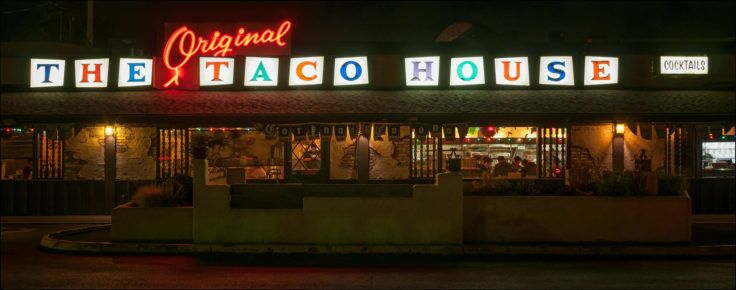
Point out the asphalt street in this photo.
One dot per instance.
(24, 265)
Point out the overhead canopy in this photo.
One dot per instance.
(377, 103)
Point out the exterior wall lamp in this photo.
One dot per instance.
(109, 131)
(619, 128)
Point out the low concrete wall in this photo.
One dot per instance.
(155, 224)
(432, 215)
(577, 219)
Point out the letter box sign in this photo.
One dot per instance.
(47, 73)
(600, 70)
(187, 41)
(422, 71)
(683, 65)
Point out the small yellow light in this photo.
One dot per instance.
(109, 131)
(619, 128)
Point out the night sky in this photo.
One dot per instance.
(325, 24)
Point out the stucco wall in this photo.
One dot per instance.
(135, 153)
(591, 150)
(577, 219)
(390, 159)
(634, 143)
(343, 163)
(84, 154)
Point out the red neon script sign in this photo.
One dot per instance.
(183, 44)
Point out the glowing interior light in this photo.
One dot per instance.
(109, 130)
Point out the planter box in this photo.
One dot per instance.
(155, 224)
(577, 219)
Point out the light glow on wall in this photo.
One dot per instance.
(47, 73)
(91, 73)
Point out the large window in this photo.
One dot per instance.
(16, 153)
(719, 158)
(237, 155)
(494, 152)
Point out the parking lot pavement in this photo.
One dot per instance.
(24, 265)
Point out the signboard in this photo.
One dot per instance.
(513, 71)
(216, 71)
(135, 72)
(47, 73)
(261, 71)
(467, 71)
(422, 71)
(187, 41)
(683, 65)
(306, 70)
(556, 70)
(91, 73)
(351, 71)
(600, 70)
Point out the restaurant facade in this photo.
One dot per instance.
(81, 133)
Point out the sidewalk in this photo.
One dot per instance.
(709, 239)
(57, 219)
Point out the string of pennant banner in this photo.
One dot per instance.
(353, 130)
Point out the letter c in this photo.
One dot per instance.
(300, 68)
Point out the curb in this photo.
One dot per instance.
(56, 242)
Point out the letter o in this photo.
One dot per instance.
(473, 69)
(344, 70)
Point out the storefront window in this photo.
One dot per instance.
(495, 152)
(306, 156)
(16, 150)
(719, 158)
(239, 154)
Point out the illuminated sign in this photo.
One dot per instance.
(422, 71)
(135, 72)
(261, 71)
(216, 71)
(47, 73)
(351, 71)
(91, 73)
(186, 42)
(512, 71)
(600, 70)
(556, 70)
(683, 65)
(467, 71)
(306, 70)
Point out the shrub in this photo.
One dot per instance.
(494, 187)
(672, 184)
(616, 184)
(152, 196)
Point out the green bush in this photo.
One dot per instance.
(616, 184)
(672, 184)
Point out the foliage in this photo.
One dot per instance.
(672, 184)
(152, 196)
(616, 184)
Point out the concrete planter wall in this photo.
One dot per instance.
(577, 219)
(432, 215)
(155, 224)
